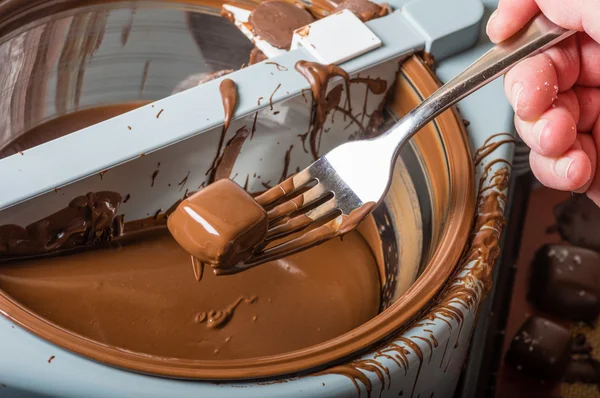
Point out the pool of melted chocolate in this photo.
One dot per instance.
(143, 294)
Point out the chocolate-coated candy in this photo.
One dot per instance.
(540, 349)
(565, 281)
(578, 222)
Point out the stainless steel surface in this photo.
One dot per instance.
(104, 54)
(358, 173)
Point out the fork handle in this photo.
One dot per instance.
(539, 34)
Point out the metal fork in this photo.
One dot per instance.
(355, 176)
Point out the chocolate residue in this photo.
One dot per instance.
(489, 146)
(275, 22)
(154, 175)
(198, 268)
(145, 77)
(471, 281)
(363, 9)
(227, 15)
(218, 318)
(272, 94)
(254, 125)
(126, 31)
(86, 221)
(230, 154)
(51, 358)
(256, 56)
(183, 182)
(229, 98)
(228, 91)
(319, 76)
(159, 113)
(286, 164)
(279, 67)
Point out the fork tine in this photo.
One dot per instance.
(297, 203)
(301, 221)
(311, 238)
(285, 187)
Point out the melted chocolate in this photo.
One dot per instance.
(86, 221)
(318, 76)
(256, 56)
(142, 297)
(220, 224)
(364, 9)
(275, 21)
(228, 91)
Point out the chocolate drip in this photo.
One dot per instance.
(228, 91)
(465, 289)
(154, 175)
(198, 268)
(230, 154)
(490, 146)
(364, 10)
(86, 221)
(256, 56)
(275, 21)
(319, 76)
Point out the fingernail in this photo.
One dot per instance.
(494, 15)
(537, 130)
(515, 94)
(562, 166)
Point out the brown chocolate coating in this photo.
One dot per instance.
(275, 21)
(565, 281)
(86, 221)
(363, 9)
(578, 222)
(318, 76)
(540, 349)
(219, 225)
(143, 297)
(256, 56)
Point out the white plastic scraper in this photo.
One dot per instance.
(336, 38)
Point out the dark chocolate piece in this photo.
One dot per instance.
(565, 281)
(540, 349)
(578, 222)
(275, 22)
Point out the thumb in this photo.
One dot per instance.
(509, 18)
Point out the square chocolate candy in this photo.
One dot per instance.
(540, 349)
(565, 281)
(219, 225)
(578, 222)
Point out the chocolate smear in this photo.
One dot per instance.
(275, 22)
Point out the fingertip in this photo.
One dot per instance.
(579, 172)
(492, 29)
(569, 172)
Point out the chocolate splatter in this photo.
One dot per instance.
(216, 319)
(154, 175)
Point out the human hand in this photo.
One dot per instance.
(556, 94)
